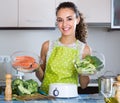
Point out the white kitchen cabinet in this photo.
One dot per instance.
(94, 11)
(27, 13)
(8, 13)
(36, 13)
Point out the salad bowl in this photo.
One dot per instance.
(89, 65)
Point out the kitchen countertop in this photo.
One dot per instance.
(82, 98)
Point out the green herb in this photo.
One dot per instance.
(89, 65)
(20, 87)
(94, 60)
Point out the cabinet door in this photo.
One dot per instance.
(94, 11)
(8, 13)
(36, 13)
(97, 11)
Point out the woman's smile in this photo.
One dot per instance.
(66, 29)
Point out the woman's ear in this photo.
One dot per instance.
(78, 20)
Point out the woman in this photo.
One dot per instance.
(58, 55)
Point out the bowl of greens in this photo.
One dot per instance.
(89, 65)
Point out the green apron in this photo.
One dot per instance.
(60, 68)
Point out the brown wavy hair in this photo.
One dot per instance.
(81, 28)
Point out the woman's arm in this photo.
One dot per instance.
(40, 71)
(84, 80)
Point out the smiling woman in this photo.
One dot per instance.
(68, 13)
(58, 55)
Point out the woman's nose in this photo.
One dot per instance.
(64, 23)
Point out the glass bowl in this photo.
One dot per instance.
(25, 61)
(89, 65)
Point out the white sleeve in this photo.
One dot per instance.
(51, 45)
(81, 47)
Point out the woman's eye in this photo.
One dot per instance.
(59, 20)
(69, 19)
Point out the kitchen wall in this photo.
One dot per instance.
(99, 39)
(107, 43)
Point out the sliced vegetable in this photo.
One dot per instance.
(94, 60)
(88, 65)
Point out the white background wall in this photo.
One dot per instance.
(99, 39)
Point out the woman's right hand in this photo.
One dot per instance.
(86, 51)
(40, 74)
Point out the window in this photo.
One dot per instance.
(115, 19)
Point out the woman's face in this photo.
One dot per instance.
(67, 21)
